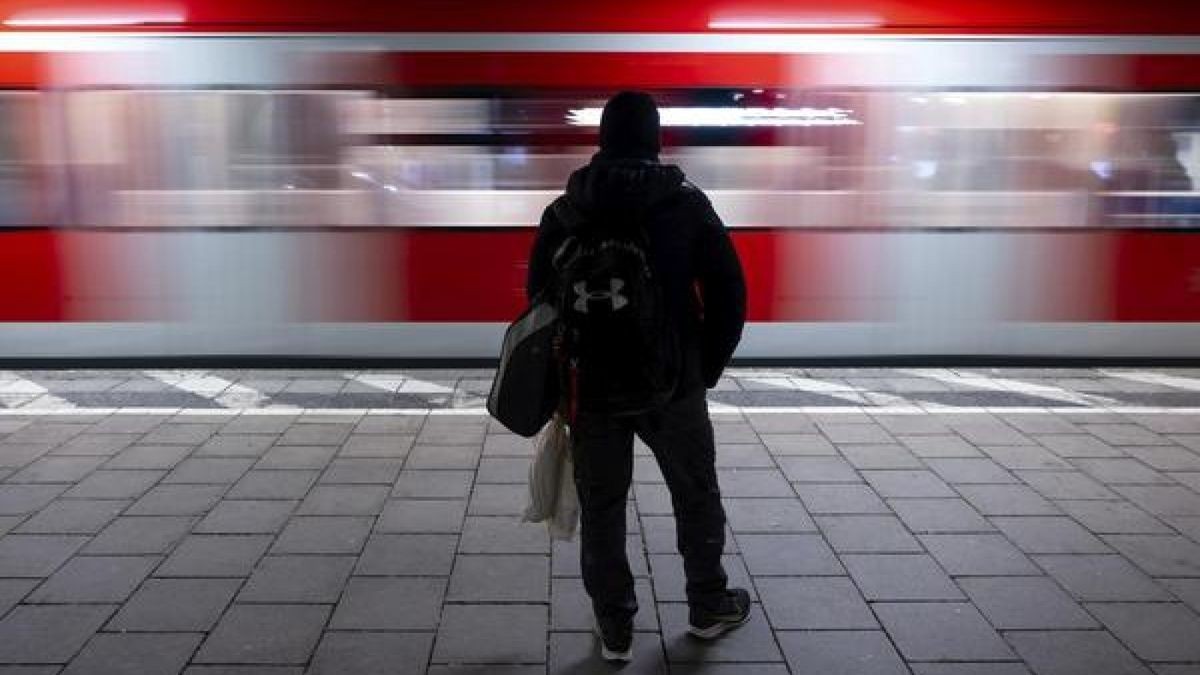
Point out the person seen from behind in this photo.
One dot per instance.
(653, 303)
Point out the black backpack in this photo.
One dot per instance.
(620, 351)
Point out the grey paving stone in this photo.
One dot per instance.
(578, 654)
(743, 456)
(1164, 500)
(900, 577)
(729, 669)
(499, 500)
(316, 434)
(362, 471)
(73, 516)
(867, 534)
(939, 515)
(500, 578)
(176, 605)
(407, 554)
(344, 500)
(422, 516)
(432, 434)
(1077, 445)
(1113, 517)
(503, 534)
(377, 445)
(866, 652)
(782, 445)
(753, 483)
(389, 603)
(1007, 500)
(434, 484)
(215, 556)
(788, 554)
(390, 424)
(1025, 603)
(1153, 631)
(272, 425)
(907, 483)
(148, 457)
(94, 579)
(969, 470)
(978, 555)
(1101, 578)
(1065, 485)
(1031, 458)
(48, 633)
(103, 445)
(1176, 669)
(8, 523)
(172, 433)
(1049, 534)
(911, 425)
(297, 457)
(571, 608)
(35, 555)
(444, 457)
(16, 455)
(372, 654)
(941, 631)
(855, 433)
(502, 470)
(246, 517)
(324, 535)
(969, 669)
(752, 642)
(767, 515)
(134, 654)
(209, 470)
(56, 470)
(827, 498)
(1121, 471)
(814, 603)
(507, 445)
(942, 445)
(1075, 653)
(177, 500)
(670, 585)
(42, 431)
(1157, 555)
(115, 484)
(1124, 434)
(301, 579)
(235, 445)
(494, 634)
(651, 498)
(30, 670)
(1166, 457)
(267, 634)
(889, 456)
(260, 484)
(12, 591)
(818, 469)
(22, 500)
(1040, 423)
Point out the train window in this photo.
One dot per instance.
(768, 158)
(18, 190)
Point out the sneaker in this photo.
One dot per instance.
(731, 611)
(616, 638)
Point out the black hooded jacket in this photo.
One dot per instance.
(690, 252)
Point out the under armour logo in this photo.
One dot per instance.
(583, 296)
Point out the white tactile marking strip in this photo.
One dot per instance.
(990, 383)
(1175, 381)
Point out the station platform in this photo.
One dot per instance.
(931, 521)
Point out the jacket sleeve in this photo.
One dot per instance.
(722, 296)
(549, 237)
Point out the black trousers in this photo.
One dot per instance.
(680, 435)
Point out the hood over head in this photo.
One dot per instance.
(629, 126)
(618, 190)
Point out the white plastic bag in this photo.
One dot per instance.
(552, 497)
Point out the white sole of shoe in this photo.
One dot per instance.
(716, 630)
(609, 654)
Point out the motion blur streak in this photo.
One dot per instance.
(376, 194)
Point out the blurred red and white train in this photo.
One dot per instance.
(927, 177)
